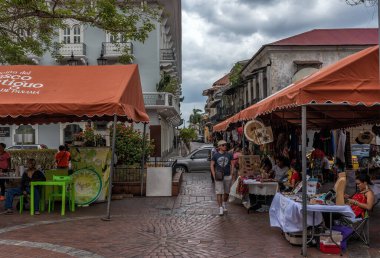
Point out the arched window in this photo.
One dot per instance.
(25, 134)
(69, 132)
(76, 30)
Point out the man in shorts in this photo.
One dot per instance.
(221, 161)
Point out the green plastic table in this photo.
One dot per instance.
(63, 184)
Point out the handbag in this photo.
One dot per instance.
(219, 173)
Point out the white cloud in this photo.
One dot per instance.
(218, 33)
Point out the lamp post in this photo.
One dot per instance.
(72, 61)
(102, 60)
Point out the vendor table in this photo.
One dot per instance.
(10, 177)
(286, 213)
(261, 188)
(62, 184)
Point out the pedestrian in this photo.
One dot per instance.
(221, 164)
(5, 165)
(62, 158)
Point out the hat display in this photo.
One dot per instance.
(250, 130)
(365, 137)
(221, 142)
(258, 133)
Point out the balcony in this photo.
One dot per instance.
(166, 104)
(116, 49)
(167, 55)
(78, 49)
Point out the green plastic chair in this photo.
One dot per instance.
(58, 194)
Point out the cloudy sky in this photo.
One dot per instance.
(218, 33)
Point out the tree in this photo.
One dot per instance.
(29, 26)
(168, 84)
(187, 135)
(196, 118)
(366, 2)
(234, 76)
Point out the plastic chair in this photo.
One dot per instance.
(54, 194)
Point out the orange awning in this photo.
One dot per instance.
(50, 94)
(331, 94)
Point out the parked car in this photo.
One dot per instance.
(361, 152)
(27, 147)
(197, 160)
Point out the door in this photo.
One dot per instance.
(200, 160)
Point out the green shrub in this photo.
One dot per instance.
(129, 145)
(45, 157)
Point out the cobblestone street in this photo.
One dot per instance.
(183, 226)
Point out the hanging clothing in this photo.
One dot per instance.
(341, 145)
(347, 151)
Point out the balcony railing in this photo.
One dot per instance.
(116, 49)
(167, 54)
(78, 49)
(161, 100)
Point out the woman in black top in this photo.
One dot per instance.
(31, 174)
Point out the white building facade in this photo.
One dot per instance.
(83, 45)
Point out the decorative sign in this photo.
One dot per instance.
(88, 186)
(5, 132)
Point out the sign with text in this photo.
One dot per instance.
(5, 132)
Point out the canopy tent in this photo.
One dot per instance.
(51, 94)
(343, 94)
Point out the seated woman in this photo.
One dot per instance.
(364, 199)
(360, 202)
(266, 169)
(294, 176)
(30, 175)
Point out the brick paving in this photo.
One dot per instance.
(183, 226)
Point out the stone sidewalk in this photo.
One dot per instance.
(183, 226)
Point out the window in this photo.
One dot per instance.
(66, 36)
(76, 29)
(202, 154)
(118, 38)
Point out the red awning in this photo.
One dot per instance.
(49, 94)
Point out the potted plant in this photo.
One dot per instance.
(89, 137)
(78, 139)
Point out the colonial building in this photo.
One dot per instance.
(278, 64)
(159, 55)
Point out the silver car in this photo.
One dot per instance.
(197, 160)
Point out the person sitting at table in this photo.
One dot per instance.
(362, 201)
(281, 168)
(30, 175)
(294, 176)
(266, 169)
(62, 158)
(5, 164)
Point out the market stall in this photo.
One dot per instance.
(52, 94)
(341, 95)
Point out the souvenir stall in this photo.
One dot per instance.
(52, 94)
(342, 95)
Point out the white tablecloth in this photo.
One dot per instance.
(287, 214)
(265, 188)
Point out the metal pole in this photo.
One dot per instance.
(108, 215)
(304, 200)
(378, 21)
(143, 161)
(243, 139)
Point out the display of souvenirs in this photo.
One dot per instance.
(249, 165)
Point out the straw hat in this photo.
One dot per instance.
(365, 137)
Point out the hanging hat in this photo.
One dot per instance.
(365, 137)
(250, 130)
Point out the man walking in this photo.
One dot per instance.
(221, 164)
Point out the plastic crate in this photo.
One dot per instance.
(329, 248)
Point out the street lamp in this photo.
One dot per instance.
(72, 61)
(102, 60)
